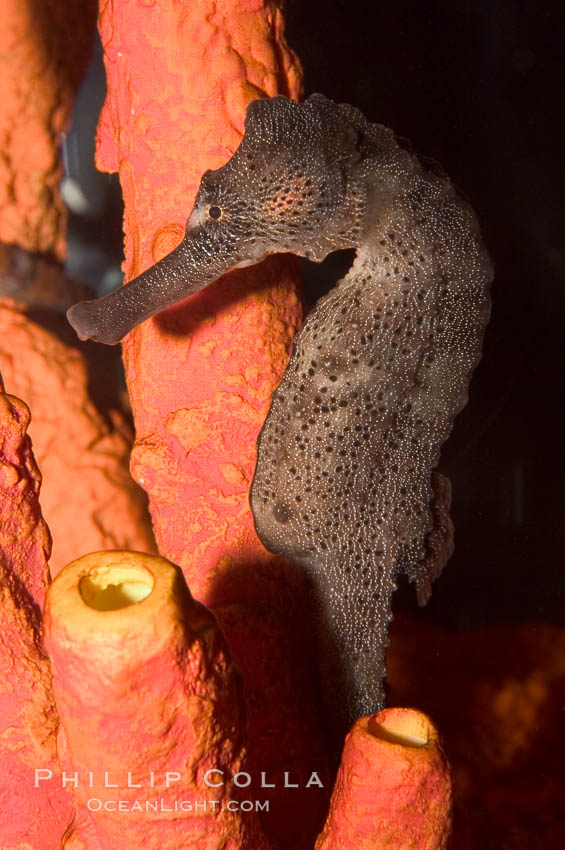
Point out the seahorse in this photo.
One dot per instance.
(345, 482)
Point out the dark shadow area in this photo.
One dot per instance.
(183, 318)
(319, 278)
(94, 199)
(265, 612)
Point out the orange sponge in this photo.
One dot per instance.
(32, 815)
(151, 709)
(393, 790)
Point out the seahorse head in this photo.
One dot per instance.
(289, 187)
(286, 188)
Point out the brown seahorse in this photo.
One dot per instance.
(345, 482)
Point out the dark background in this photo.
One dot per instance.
(477, 86)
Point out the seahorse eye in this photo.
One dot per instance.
(215, 212)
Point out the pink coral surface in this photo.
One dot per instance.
(34, 817)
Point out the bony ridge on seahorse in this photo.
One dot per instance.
(345, 481)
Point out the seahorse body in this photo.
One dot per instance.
(344, 473)
(345, 480)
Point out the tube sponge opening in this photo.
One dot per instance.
(112, 587)
(402, 726)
